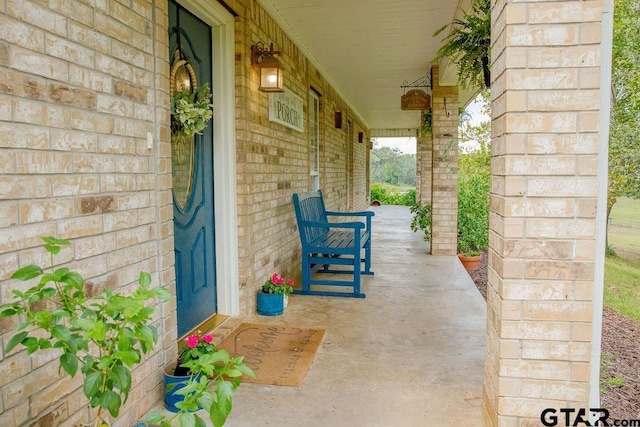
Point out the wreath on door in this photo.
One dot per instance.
(190, 103)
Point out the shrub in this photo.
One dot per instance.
(379, 193)
(102, 336)
(382, 194)
(408, 198)
(422, 219)
(473, 201)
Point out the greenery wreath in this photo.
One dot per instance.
(190, 103)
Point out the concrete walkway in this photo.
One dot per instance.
(410, 354)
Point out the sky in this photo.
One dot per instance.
(407, 145)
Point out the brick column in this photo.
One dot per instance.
(545, 94)
(424, 158)
(444, 170)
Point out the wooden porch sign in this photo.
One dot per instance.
(286, 108)
(415, 100)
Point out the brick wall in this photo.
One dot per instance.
(273, 161)
(81, 85)
(444, 168)
(79, 91)
(424, 159)
(542, 228)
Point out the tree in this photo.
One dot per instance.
(391, 166)
(473, 136)
(624, 142)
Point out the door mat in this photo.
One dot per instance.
(279, 355)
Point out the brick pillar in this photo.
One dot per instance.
(444, 169)
(545, 93)
(424, 158)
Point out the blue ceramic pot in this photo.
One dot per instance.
(170, 396)
(270, 304)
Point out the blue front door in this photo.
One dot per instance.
(192, 176)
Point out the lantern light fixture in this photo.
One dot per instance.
(271, 79)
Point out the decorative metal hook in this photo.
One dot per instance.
(259, 52)
(424, 81)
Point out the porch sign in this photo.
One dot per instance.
(286, 108)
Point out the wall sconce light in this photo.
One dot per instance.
(270, 69)
(360, 137)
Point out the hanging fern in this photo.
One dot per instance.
(468, 45)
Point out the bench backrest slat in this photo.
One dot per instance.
(309, 207)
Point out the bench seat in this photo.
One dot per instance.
(327, 243)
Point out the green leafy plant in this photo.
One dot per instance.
(103, 336)
(615, 382)
(427, 122)
(277, 285)
(190, 112)
(422, 219)
(389, 196)
(213, 376)
(197, 346)
(468, 45)
(473, 201)
(473, 204)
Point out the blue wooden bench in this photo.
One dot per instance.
(327, 243)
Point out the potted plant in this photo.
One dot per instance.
(102, 336)
(473, 206)
(468, 45)
(205, 377)
(473, 209)
(274, 295)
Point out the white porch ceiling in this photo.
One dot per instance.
(368, 48)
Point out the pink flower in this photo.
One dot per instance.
(280, 281)
(207, 338)
(275, 278)
(290, 282)
(192, 340)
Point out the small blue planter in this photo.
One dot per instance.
(270, 304)
(170, 396)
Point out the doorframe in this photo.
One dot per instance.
(224, 151)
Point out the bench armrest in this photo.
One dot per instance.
(366, 214)
(363, 213)
(355, 225)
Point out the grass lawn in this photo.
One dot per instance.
(626, 209)
(622, 286)
(622, 272)
(396, 188)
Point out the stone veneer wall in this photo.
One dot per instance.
(545, 101)
(81, 84)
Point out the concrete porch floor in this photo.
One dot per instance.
(410, 354)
